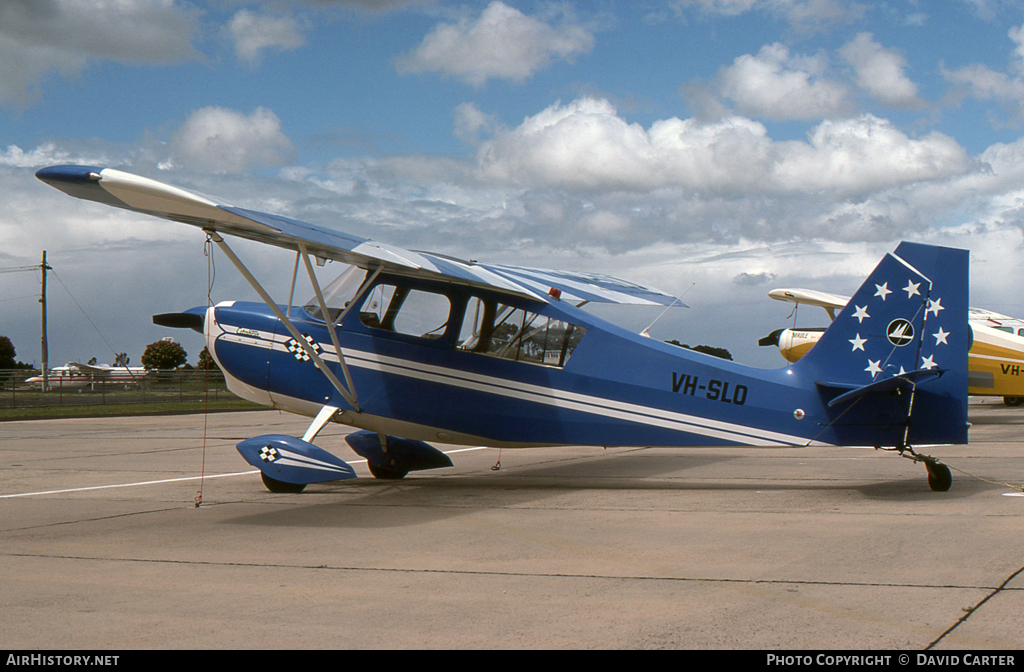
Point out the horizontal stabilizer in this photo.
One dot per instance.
(882, 386)
(292, 460)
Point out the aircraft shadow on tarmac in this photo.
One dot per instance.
(430, 497)
(422, 498)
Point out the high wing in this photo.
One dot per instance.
(105, 370)
(830, 302)
(90, 368)
(141, 194)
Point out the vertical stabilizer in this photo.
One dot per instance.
(900, 347)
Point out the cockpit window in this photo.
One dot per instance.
(499, 330)
(402, 310)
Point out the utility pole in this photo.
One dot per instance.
(45, 355)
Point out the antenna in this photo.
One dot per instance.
(645, 332)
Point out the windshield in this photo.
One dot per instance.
(338, 293)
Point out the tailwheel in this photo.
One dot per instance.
(939, 477)
(275, 485)
(387, 474)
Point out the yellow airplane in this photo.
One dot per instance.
(995, 360)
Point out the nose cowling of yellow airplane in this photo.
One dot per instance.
(793, 343)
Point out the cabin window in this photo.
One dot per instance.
(1008, 330)
(499, 330)
(402, 310)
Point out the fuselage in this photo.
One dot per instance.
(607, 387)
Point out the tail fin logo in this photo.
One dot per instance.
(900, 332)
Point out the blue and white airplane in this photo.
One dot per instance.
(411, 347)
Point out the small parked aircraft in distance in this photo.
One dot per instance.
(995, 359)
(410, 347)
(75, 375)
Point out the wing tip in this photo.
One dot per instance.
(69, 174)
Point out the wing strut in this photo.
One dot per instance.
(330, 324)
(346, 394)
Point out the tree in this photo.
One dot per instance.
(164, 355)
(706, 349)
(6, 353)
(206, 360)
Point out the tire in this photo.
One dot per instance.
(939, 477)
(275, 485)
(387, 474)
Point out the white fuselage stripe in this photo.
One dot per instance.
(543, 395)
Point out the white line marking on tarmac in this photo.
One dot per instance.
(180, 480)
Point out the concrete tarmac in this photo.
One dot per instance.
(103, 547)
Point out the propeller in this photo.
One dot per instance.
(180, 321)
(772, 338)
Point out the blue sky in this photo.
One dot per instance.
(737, 144)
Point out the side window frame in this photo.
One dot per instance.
(489, 317)
(403, 295)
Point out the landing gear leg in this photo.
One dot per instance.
(386, 473)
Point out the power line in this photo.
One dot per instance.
(100, 333)
(19, 269)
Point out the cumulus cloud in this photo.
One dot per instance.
(254, 33)
(41, 37)
(983, 83)
(217, 139)
(778, 85)
(879, 71)
(1017, 35)
(751, 279)
(586, 145)
(470, 122)
(503, 43)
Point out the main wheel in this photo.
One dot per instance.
(387, 474)
(275, 485)
(1013, 401)
(939, 477)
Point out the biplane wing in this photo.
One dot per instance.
(141, 194)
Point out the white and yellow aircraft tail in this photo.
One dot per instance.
(995, 360)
